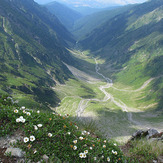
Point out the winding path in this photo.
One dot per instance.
(84, 102)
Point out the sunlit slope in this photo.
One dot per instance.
(132, 45)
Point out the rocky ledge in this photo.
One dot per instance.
(151, 134)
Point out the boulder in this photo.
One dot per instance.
(160, 159)
(45, 158)
(151, 133)
(16, 152)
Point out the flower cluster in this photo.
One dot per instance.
(32, 138)
(20, 119)
(114, 152)
(51, 133)
(82, 155)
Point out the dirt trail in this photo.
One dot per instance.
(139, 89)
(84, 102)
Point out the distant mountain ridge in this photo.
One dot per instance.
(93, 3)
(87, 24)
(66, 15)
(32, 49)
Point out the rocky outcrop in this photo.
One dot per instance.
(152, 134)
(16, 152)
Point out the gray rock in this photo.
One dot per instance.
(160, 159)
(12, 142)
(15, 152)
(45, 158)
(154, 161)
(137, 133)
(151, 132)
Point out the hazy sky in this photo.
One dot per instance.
(122, 2)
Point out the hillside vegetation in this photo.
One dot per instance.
(53, 135)
(32, 48)
(132, 44)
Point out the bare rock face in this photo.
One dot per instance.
(16, 152)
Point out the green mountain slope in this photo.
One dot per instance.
(133, 44)
(31, 52)
(66, 15)
(85, 25)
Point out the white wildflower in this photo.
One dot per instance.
(16, 111)
(35, 127)
(75, 147)
(28, 113)
(81, 155)
(23, 107)
(95, 158)
(18, 120)
(84, 155)
(114, 152)
(104, 146)
(108, 159)
(39, 125)
(32, 138)
(50, 134)
(24, 111)
(38, 111)
(81, 138)
(84, 132)
(86, 151)
(75, 141)
(21, 117)
(26, 139)
(23, 120)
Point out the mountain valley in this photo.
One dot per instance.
(104, 69)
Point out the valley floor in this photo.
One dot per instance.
(94, 101)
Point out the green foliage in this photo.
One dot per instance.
(32, 51)
(53, 135)
(145, 150)
(132, 44)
